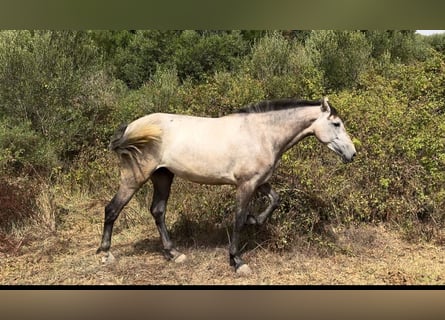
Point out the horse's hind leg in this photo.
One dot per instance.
(112, 211)
(162, 180)
(133, 176)
(267, 190)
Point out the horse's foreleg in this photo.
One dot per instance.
(162, 180)
(244, 194)
(274, 198)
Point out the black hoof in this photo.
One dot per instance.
(168, 254)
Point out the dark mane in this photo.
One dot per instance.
(281, 104)
(277, 105)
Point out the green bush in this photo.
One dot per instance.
(198, 55)
(134, 56)
(400, 45)
(341, 55)
(271, 56)
(436, 41)
(23, 150)
(284, 67)
(51, 81)
(220, 95)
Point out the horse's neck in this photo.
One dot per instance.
(290, 126)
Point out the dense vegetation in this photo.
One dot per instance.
(63, 93)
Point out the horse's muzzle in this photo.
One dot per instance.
(350, 159)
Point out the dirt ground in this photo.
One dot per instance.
(370, 255)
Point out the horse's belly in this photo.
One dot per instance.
(200, 172)
(207, 168)
(203, 179)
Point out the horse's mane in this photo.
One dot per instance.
(281, 104)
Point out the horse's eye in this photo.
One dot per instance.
(336, 124)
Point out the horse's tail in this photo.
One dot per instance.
(129, 139)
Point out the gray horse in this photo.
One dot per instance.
(241, 149)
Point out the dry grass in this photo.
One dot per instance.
(66, 255)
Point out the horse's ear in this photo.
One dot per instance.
(324, 105)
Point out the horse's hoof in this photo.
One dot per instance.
(243, 270)
(181, 258)
(108, 258)
(174, 255)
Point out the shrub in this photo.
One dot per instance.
(222, 94)
(437, 41)
(47, 81)
(270, 56)
(134, 56)
(341, 55)
(402, 46)
(284, 68)
(197, 55)
(17, 205)
(23, 150)
(162, 90)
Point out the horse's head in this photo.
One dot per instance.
(329, 129)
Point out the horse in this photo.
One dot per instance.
(241, 149)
